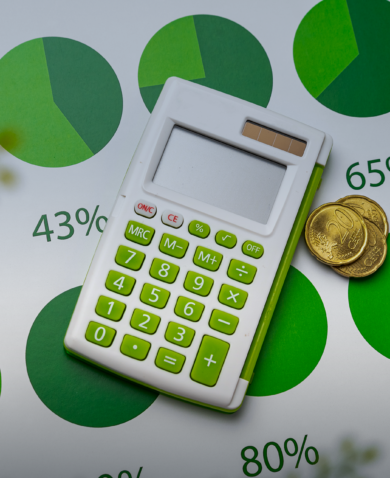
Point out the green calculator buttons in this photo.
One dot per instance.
(207, 258)
(199, 229)
(129, 258)
(135, 347)
(241, 271)
(253, 249)
(179, 334)
(209, 361)
(164, 271)
(139, 233)
(144, 321)
(232, 297)
(169, 360)
(110, 308)
(189, 309)
(119, 283)
(154, 296)
(223, 322)
(100, 334)
(173, 246)
(198, 283)
(226, 239)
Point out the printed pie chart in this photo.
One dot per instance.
(208, 50)
(60, 102)
(74, 390)
(295, 340)
(369, 301)
(342, 55)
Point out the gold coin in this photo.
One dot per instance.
(372, 258)
(369, 209)
(336, 234)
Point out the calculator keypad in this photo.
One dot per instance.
(207, 258)
(119, 283)
(209, 361)
(169, 360)
(135, 347)
(173, 246)
(129, 258)
(164, 271)
(154, 296)
(100, 334)
(110, 308)
(179, 334)
(198, 283)
(189, 309)
(145, 321)
(212, 351)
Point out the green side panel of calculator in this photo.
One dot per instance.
(272, 300)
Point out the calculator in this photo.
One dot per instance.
(189, 268)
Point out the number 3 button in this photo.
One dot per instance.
(179, 334)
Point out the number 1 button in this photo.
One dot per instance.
(209, 361)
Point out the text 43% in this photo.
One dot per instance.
(82, 217)
(123, 474)
(253, 467)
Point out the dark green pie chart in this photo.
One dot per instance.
(60, 102)
(295, 340)
(342, 55)
(369, 301)
(74, 390)
(208, 50)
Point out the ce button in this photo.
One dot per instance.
(171, 218)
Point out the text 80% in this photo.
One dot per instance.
(82, 217)
(253, 467)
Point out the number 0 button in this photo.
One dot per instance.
(100, 334)
(154, 296)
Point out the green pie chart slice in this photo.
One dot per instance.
(72, 389)
(342, 55)
(295, 340)
(61, 102)
(369, 301)
(208, 50)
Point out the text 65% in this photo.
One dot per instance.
(82, 217)
(123, 474)
(272, 452)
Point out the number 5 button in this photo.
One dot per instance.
(233, 297)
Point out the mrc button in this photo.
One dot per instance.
(173, 219)
(144, 208)
(253, 249)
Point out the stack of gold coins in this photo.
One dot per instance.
(349, 235)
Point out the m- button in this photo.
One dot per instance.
(144, 208)
(172, 219)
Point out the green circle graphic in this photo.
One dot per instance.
(60, 102)
(342, 55)
(72, 389)
(295, 340)
(208, 50)
(369, 301)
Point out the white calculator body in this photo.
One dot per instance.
(188, 270)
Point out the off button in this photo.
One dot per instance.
(253, 249)
(171, 218)
(144, 208)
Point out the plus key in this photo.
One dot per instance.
(209, 361)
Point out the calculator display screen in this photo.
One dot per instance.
(221, 175)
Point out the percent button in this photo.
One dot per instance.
(199, 229)
(241, 271)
